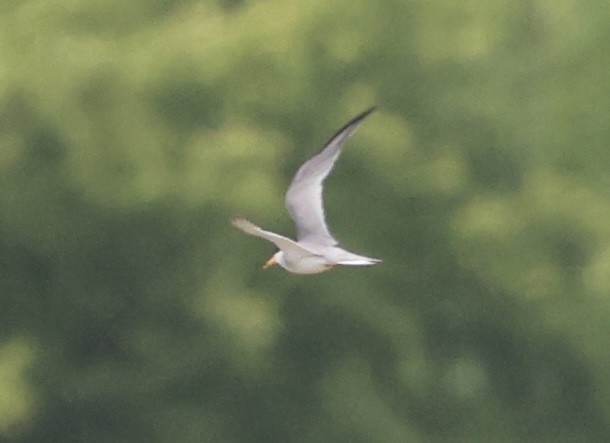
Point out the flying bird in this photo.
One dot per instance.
(315, 250)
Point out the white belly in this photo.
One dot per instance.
(306, 265)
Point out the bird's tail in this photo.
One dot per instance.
(351, 259)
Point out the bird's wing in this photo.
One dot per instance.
(283, 243)
(304, 196)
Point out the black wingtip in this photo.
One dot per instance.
(360, 117)
(365, 114)
(353, 122)
(369, 110)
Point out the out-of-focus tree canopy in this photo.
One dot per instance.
(131, 311)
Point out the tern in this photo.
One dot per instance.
(315, 250)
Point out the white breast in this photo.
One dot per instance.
(312, 264)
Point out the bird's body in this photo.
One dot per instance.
(315, 250)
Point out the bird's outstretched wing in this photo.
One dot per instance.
(304, 196)
(283, 243)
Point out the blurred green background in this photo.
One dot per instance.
(131, 311)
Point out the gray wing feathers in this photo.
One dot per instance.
(304, 196)
(283, 243)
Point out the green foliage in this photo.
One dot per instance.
(131, 311)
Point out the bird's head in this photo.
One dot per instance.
(276, 259)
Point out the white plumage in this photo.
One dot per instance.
(315, 250)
